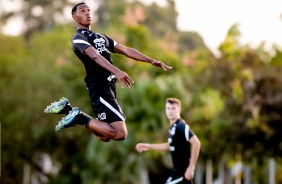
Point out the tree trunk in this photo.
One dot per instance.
(247, 175)
(209, 179)
(144, 178)
(26, 174)
(271, 174)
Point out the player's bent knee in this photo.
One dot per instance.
(111, 133)
(121, 136)
(120, 130)
(104, 139)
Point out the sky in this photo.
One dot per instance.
(259, 20)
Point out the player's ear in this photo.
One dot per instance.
(74, 17)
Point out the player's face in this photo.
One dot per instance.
(83, 15)
(172, 111)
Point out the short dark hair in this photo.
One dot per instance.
(73, 10)
(173, 101)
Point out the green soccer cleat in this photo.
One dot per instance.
(69, 120)
(61, 107)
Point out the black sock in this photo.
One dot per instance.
(83, 119)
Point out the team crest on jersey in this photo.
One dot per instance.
(100, 45)
(102, 116)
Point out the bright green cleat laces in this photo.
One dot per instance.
(69, 120)
(60, 107)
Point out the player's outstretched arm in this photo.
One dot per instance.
(136, 55)
(140, 147)
(123, 78)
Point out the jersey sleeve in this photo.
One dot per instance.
(80, 42)
(111, 43)
(186, 131)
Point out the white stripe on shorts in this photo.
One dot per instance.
(175, 181)
(112, 108)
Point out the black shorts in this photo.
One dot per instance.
(104, 102)
(177, 176)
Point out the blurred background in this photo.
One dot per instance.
(232, 99)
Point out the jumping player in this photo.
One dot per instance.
(93, 50)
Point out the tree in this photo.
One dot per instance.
(37, 15)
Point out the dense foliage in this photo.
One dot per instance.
(232, 102)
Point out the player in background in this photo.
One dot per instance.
(180, 139)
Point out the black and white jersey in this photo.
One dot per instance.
(83, 39)
(179, 134)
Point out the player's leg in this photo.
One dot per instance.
(121, 130)
(103, 130)
(75, 116)
(110, 121)
(107, 109)
(100, 136)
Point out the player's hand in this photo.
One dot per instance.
(124, 79)
(140, 147)
(161, 65)
(189, 173)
